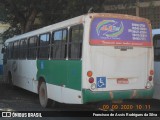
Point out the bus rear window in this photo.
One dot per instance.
(120, 32)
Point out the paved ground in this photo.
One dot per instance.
(21, 100)
(17, 99)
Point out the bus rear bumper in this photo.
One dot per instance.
(92, 96)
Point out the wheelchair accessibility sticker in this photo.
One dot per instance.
(101, 82)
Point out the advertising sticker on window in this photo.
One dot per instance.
(114, 31)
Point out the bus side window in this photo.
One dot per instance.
(156, 40)
(16, 50)
(10, 51)
(23, 49)
(75, 42)
(59, 44)
(5, 54)
(44, 46)
(32, 47)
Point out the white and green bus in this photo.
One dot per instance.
(156, 43)
(91, 58)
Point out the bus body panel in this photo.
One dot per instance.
(114, 64)
(62, 77)
(112, 68)
(156, 95)
(64, 89)
(61, 73)
(90, 96)
(23, 73)
(64, 94)
(125, 72)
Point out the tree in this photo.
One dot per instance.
(66, 9)
(21, 14)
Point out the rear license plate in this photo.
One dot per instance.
(122, 81)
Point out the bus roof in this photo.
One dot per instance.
(74, 21)
(49, 28)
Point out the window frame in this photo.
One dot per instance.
(26, 49)
(36, 47)
(70, 42)
(15, 50)
(10, 50)
(39, 46)
(66, 43)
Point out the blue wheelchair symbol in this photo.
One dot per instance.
(101, 82)
(42, 65)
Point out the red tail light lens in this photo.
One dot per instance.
(91, 80)
(150, 78)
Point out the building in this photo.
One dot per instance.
(144, 8)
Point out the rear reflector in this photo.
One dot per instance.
(91, 80)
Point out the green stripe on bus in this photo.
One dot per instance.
(89, 96)
(61, 72)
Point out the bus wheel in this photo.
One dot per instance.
(43, 98)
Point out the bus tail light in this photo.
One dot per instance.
(91, 80)
(151, 72)
(150, 78)
(89, 73)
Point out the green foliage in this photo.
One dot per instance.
(21, 14)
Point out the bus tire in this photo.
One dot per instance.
(43, 98)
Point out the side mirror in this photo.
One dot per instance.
(3, 50)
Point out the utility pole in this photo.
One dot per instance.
(137, 7)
